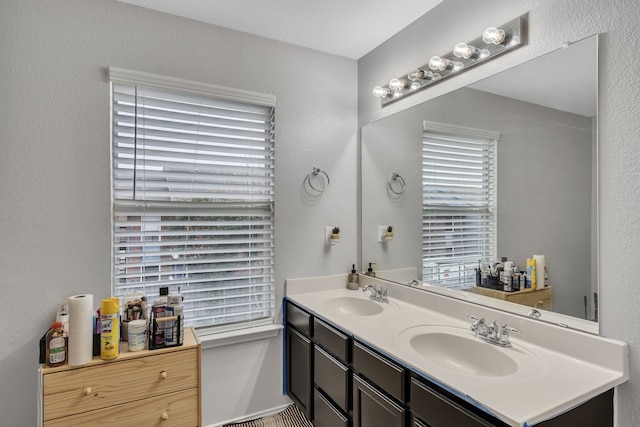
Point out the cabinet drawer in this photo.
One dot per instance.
(384, 373)
(299, 319)
(439, 411)
(332, 377)
(325, 415)
(88, 388)
(180, 409)
(332, 340)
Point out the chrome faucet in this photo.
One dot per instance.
(491, 333)
(534, 314)
(414, 282)
(379, 294)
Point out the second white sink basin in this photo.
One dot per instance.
(458, 350)
(355, 306)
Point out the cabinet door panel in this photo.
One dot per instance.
(372, 409)
(325, 415)
(299, 370)
(439, 411)
(332, 378)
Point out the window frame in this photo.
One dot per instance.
(136, 78)
(460, 275)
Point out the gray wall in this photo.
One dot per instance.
(551, 23)
(544, 186)
(55, 215)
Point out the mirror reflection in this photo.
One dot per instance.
(539, 195)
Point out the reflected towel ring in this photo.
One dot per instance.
(395, 177)
(314, 174)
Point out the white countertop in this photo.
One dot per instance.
(558, 369)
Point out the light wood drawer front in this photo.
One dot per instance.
(85, 389)
(181, 409)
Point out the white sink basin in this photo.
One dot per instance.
(354, 306)
(458, 350)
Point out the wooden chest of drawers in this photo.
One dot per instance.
(149, 388)
(538, 298)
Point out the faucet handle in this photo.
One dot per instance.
(476, 323)
(503, 340)
(506, 329)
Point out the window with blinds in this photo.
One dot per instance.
(192, 175)
(459, 203)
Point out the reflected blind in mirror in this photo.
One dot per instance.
(459, 203)
(192, 177)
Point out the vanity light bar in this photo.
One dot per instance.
(493, 42)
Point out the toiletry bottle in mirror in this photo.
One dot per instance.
(370, 271)
(352, 279)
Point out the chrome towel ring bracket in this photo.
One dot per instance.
(396, 183)
(317, 180)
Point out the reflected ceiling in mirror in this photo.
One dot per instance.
(545, 111)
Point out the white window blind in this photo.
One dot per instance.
(192, 175)
(459, 203)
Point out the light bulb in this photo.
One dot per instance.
(484, 53)
(457, 66)
(492, 35)
(397, 84)
(439, 64)
(416, 75)
(381, 92)
(414, 85)
(463, 50)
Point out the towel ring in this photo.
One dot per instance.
(324, 177)
(395, 177)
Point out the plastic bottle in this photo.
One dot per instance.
(352, 280)
(56, 346)
(62, 316)
(137, 334)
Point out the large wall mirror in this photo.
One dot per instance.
(545, 112)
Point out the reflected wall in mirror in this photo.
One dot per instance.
(545, 111)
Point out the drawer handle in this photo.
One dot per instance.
(163, 375)
(87, 391)
(165, 416)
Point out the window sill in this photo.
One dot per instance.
(240, 336)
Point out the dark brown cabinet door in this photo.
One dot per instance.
(373, 409)
(299, 370)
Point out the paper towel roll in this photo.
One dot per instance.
(541, 267)
(80, 329)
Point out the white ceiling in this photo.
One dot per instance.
(353, 28)
(349, 28)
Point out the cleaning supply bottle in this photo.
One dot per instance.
(352, 279)
(56, 346)
(110, 328)
(531, 273)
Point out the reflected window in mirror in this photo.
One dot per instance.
(459, 203)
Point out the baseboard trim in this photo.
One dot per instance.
(265, 413)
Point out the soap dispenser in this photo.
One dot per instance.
(370, 271)
(352, 280)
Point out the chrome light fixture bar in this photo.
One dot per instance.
(493, 42)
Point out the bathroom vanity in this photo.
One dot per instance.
(353, 361)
